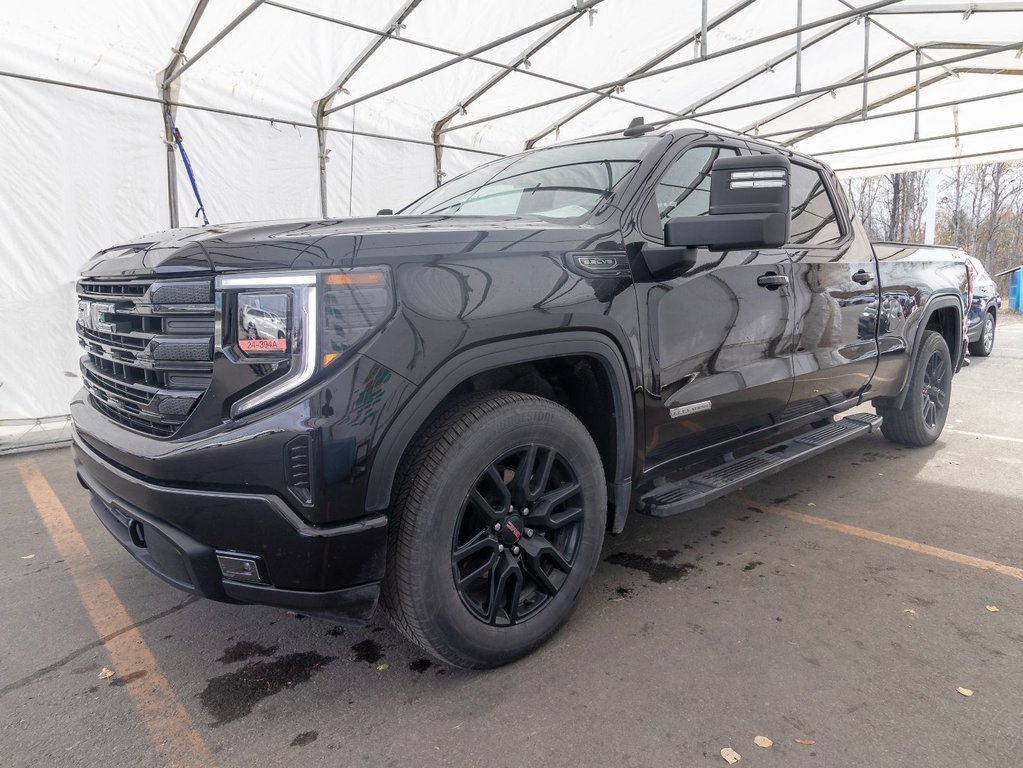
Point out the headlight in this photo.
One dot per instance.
(294, 325)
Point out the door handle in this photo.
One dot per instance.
(862, 277)
(772, 281)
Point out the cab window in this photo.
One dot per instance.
(683, 189)
(814, 221)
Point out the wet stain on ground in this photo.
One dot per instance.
(659, 572)
(336, 631)
(751, 565)
(716, 532)
(243, 650)
(123, 680)
(420, 665)
(307, 737)
(667, 554)
(233, 695)
(783, 499)
(368, 651)
(622, 593)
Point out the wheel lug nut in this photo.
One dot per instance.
(515, 550)
(529, 533)
(500, 547)
(525, 511)
(497, 526)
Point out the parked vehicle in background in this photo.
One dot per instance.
(982, 317)
(468, 395)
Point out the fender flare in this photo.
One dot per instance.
(935, 302)
(486, 357)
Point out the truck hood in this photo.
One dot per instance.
(328, 243)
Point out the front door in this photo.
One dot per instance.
(718, 345)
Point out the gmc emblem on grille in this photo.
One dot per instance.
(97, 316)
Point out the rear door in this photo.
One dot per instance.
(717, 349)
(835, 290)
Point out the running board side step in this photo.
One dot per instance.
(695, 491)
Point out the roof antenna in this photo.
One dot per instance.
(638, 127)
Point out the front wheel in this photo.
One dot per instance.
(496, 527)
(922, 416)
(983, 346)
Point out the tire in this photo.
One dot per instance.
(983, 346)
(463, 475)
(922, 416)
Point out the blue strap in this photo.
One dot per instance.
(188, 169)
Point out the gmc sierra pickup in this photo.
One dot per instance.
(446, 409)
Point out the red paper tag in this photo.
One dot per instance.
(263, 345)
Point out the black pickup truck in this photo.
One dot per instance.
(445, 410)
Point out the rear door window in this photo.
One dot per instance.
(814, 220)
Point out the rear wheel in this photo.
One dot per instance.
(496, 527)
(983, 346)
(922, 416)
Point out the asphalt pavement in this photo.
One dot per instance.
(834, 609)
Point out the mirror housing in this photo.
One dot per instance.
(749, 207)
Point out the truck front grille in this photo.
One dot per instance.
(148, 349)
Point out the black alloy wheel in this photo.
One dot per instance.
(495, 528)
(934, 397)
(921, 417)
(517, 535)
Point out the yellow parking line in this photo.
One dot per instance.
(171, 729)
(894, 541)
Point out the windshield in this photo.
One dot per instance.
(558, 182)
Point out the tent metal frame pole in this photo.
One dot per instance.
(393, 27)
(461, 106)
(799, 46)
(578, 8)
(821, 127)
(603, 92)
(858, 81)
(947, 158)
(767, 66)
(235, 113)
(996, 7)
(681, 65)
(866, 61)
(880, 102)
(166, 98)
(703, 30)
(916, 106)
(926, 139)
(756, 126)
(905, 92)
(212, 43)
(891, 33)
(581, 89)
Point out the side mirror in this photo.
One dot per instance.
(749, 207)
(385, 212)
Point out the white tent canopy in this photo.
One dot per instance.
(309, 108)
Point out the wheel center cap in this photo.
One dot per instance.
(511, 530)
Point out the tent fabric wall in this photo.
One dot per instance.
(83, 170)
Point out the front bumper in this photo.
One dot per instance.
(176, 533)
